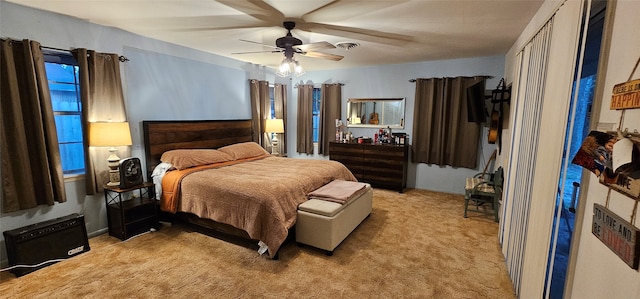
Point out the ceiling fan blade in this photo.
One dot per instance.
(327, 56)
(315, 46)
(257, 9)
(265, 45)
(358, 33)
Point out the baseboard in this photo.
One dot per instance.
(98, 232)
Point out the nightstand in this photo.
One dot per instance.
(131, 211)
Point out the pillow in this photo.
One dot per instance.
(186, 158)
(244, 150)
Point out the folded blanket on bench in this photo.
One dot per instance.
(339, 191)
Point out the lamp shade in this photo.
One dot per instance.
(274, 126)
(109, 134)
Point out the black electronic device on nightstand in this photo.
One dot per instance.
(130, 172)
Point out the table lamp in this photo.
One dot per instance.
(274, 126)
(110, 134)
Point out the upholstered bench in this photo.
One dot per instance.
(324, 224)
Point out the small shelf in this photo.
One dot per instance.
(132, 203)
(132, 216)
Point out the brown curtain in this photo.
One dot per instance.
(31, 166)
(102, 100)
(441, 133)
(331, 109)
(304, 132)
(280, 109)
(259, 94)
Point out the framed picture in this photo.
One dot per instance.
(595, 152)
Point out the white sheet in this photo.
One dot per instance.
(157, 175)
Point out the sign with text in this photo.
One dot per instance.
(626, 95)
(619, 235)
(627, 184)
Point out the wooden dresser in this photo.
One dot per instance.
(381, 165)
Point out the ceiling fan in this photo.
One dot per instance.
(290, 45)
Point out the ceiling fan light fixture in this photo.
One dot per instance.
(299, 71)
(284, 70)
(289, 66)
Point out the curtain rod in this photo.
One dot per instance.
(52, 48)
(319, 85)
(120, 57)
(482, 76)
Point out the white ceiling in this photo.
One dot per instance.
(387, 31)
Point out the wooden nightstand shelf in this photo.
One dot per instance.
(131, 211)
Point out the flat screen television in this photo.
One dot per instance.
(476, 110)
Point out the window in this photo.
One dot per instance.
(62, 74)
(272, 109)
(316, 113)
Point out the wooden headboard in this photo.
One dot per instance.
(161, 136)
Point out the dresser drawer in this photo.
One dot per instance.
(383, 166)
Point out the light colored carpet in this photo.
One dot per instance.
(413, 245)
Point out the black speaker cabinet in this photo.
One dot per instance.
(54, 239)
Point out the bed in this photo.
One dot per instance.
(237, 190)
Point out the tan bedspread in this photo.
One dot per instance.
(260, 197)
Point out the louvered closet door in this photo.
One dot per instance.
(540, 105)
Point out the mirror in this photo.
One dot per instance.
(375, 112)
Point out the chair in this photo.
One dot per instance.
(484, 188)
